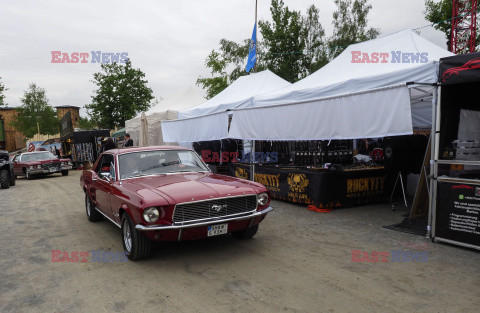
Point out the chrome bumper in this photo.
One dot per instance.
(43, 171)
(210, 222)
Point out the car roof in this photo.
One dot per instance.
(141, 149)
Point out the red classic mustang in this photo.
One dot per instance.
(168, 194)
(39, 163)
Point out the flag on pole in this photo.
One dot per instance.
(252, 50)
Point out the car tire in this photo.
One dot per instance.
(4, 179)
(246, 233)
(92, 214)
(28, 175)
(64, 173)
(135, 244)
(12, 180)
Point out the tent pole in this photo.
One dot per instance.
(252, 160)
(433, 156)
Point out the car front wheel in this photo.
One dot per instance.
(135, 244)
(92, 214)
(4, 179)
(64, 173)
(29, 176)
(246, 233)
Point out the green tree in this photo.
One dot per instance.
(350, 25)
(122, 93)
(316, 54)
(84, 123)
(2, 96)
(228, 63)
(231, 56)
(284, 39)
(440, 13)
(35, 109)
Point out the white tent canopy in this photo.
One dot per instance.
(342, 76)
(198, 125)
(349, 94)
(238, 95)
(166, 109)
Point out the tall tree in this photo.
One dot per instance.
(231, 56)
(2, 96)
(122, 93)
(440, 13)
(350, 25)
(284, 39)
(34, 113)
(84, 123)
(316, 54)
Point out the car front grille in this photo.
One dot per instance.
(49, 166)
(214, 209)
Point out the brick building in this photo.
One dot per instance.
(74, 111)
(10, 139)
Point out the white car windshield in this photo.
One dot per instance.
(41, 156)
(156, 162)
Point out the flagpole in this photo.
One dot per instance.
(252, 150)
(256, 40)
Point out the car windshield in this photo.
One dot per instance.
(42, 156)
(159, 162)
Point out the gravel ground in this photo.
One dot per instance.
(299, 261)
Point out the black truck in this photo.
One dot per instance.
(7, 178)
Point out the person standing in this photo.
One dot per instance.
(128, 141)
(109, 144)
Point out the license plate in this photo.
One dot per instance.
(215, 230)
(53, 170)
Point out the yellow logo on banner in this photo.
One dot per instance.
(272, 182)
(298, 182)
(368, 186)
(241, 173)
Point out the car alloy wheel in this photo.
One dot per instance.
(136, 245)
(92, 213)
(127, 236)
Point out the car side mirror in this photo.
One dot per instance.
(106, 176)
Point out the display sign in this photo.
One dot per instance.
(66, 126)
(458, 212)
(459, 69)
(323, 188)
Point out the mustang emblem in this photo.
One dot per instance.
(219, 207)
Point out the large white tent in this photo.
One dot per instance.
(362, 93)
(166, 109)
(204, 122)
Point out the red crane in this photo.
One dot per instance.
(464, 26)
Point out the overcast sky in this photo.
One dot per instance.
(167, 40)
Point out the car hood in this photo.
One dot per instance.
(186, 187)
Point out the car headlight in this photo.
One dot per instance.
(39, 167)
(31, 167)
(262, 199)
(151, 215)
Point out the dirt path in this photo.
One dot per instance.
(299, 261)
